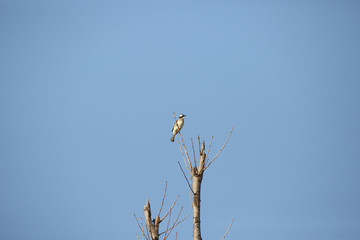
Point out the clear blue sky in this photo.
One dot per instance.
(87, 91)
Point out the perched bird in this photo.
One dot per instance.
(179, 123)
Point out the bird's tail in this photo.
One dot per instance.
(172, 138)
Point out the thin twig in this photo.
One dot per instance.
(212, 138)
(147, 232)
(185, 177)
(181, 221)
(167, 226)
(185, 150)
(162, 203)
(170, 208)
(220, 150)
(192, 143)
(182, 153)
(177, 218)
(140, 226)
(199, 143)
(228, 230)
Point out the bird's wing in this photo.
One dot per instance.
(173, 126)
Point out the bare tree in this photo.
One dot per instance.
(196, 169)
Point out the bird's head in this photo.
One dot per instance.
(182, 115)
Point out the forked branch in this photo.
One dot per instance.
(208, 165)
(153, 225)
(141, 226)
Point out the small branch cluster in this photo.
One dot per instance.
(153, 225)
(198, 167)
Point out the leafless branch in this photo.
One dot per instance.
(181, 221)
(185, 177)
(199, 142)
(202, 158)
(175, 223)
(185, 150)
(162, 203)
(141, 227)
(212, 138)
(208, 165)
(192, 143)
(182, 153)
(228, 230)
(167, 227)
(147, 232)
(170, 209)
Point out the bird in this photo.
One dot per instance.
(179, 123)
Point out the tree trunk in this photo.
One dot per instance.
(196, 185)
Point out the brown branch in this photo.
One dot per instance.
(152, 227)
(170, 208)
(147, 232)
(141, 227)
(162, 203)
(185, 177)
(167, 226)
(180, 221)
(192, 143)
(185, 150)
(202, 158)
(208, 165)
(182, 153)
(199, 142)
(207, 154)
(177, 218)
(228, 230)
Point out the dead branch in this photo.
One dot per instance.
(147, 232)
(153, 225)
(207, 154)
(153, 228)
(220, 149)
(167, 226)
(202, 159)
(177, 218)
(228, 230)
(175, 225)
(182, 153)
(185, 177)
(162, 203)
(170, 208)
(185, 150)
(141, 228)
(192, 143)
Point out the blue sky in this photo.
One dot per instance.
(87, 91)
